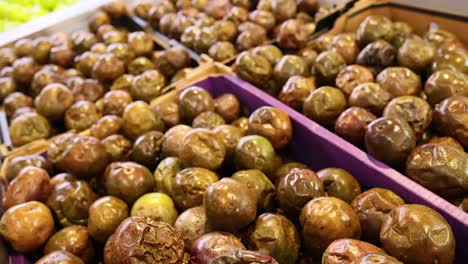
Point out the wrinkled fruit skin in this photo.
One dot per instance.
(81, 156)
(202, 148)
(296, 189)
(73, 239)
(142, 240)
(105, 215)
(348, 250)
(192, 224)
(372, 207)
(213, 245)
(414, 110)
(371, 97)
(272, 123)
(190, 185)
(451, 118)
(405, 223)
(230, 205)
(275, 235)
(244, 257)
(127, 180)
(445, 83)
(60, 256)
(254, 152)
(70, 202)
(440, 168)
(339, 183)
(31, 184)
(377, 258)
(193, 101)
(390, 140)
(16, 164)
(320, 227)
(352, 123)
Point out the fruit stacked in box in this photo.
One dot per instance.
(223, 28)
(206, 182)
(17, 12)
(51, 84)
(401, 97)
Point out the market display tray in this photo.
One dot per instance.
(319, 148)
(67, 20)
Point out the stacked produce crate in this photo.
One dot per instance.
(236, 131)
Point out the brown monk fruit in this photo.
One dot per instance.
(73, 239)
(377, 55)
(193, 101)
(347, 251)
(351, 76)
(296, 189)
(371, 97)
(253, 68)
(147, 86)
(27, 226)
(346, 45)
(275, 235)
(374, 28)
(244, 257)
(272, 123)
(440, 168)
(127, 180)
(230, 205)
(451, 118)
(146, 149)
(390, 140)
(60, 256)
(372, 207)
(31, 184)
(15, 101)
(105, 215)
(404, 223)
(81, 115)
(352, 123)
(320, 227)
(202, 148)
(327, 66)
(70, 202)
(117, 147)
(339, 183)
(296, 90)
(324, 105)
(191, 225)
(82, 156)
(53, 101)
(18, 163)
(29, 127)
(399, 81)
(445, 83)
(416, 54)
(414, 110)
(213, 245)
(138, 118)
(166, 247)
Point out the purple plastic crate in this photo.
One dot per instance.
(319, 148)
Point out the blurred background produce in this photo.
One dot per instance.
(16, 12)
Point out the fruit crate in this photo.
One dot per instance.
(323, 25)
(40, 146)
(420, 19)
(67, 20)
(319, 148)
